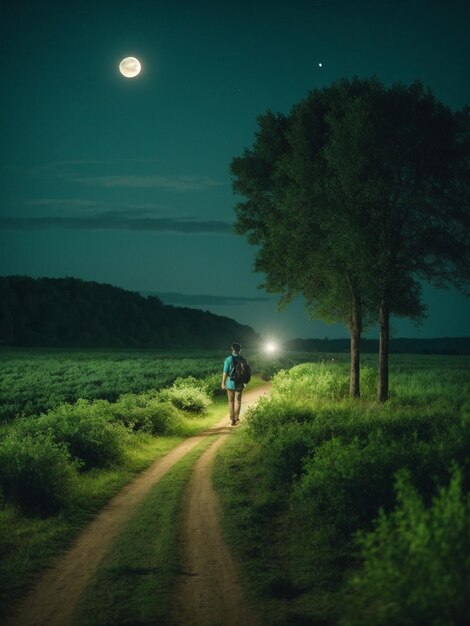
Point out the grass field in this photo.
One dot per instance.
(35, 380)
(349, 512)
(302, 486)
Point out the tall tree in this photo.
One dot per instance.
(306, 241)
(411, 179)
(352, 197)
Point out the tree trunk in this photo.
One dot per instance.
(384, 319)
(355, 330)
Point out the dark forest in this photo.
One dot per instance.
(68, 312)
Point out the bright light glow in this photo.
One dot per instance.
(270, 347)
(320, 64)
(130, 67)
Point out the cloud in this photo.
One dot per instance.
(76, 171)
(192, 300)
(117, 221)
(64, 203)
(79, 206)
(173, 183)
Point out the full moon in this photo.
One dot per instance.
(130, 67)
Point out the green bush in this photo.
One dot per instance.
(36, 472)
(163, 417)
(148, 412)
(270, 413)
(346, 483)
(415, 563)
(312, 380)
(211, 385)
(187, 394)
(86, 428)
(284, 451)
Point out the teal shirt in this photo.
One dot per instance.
(227, 367)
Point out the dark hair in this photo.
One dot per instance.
(236, 347)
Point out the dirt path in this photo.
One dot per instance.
(53, 599)
(208, 592)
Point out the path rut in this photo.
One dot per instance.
(208, 592)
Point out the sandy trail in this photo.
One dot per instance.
(208, 592)
(53, 599)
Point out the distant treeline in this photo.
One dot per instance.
(441, 345)
(68, 312)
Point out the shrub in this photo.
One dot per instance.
(187, 394)
(148, 412)
(128, 411)
(211, 385)
(312, 380)
(36, 472)
(415, 563)
(270, 413)
(164, 418)
(86, 428)
(284, 451)
(346, 483)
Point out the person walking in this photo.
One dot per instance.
(235, 375)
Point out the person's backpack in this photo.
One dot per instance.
(240, 371)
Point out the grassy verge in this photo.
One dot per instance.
(134, 582)
(292, 582)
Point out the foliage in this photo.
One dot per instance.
(36, 472)
(147, 411)
(86, 428)
(345, 484)
(188, 394)
(415, 563)
(211, 385)
(312, 380)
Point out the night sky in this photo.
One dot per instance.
(126, 181)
